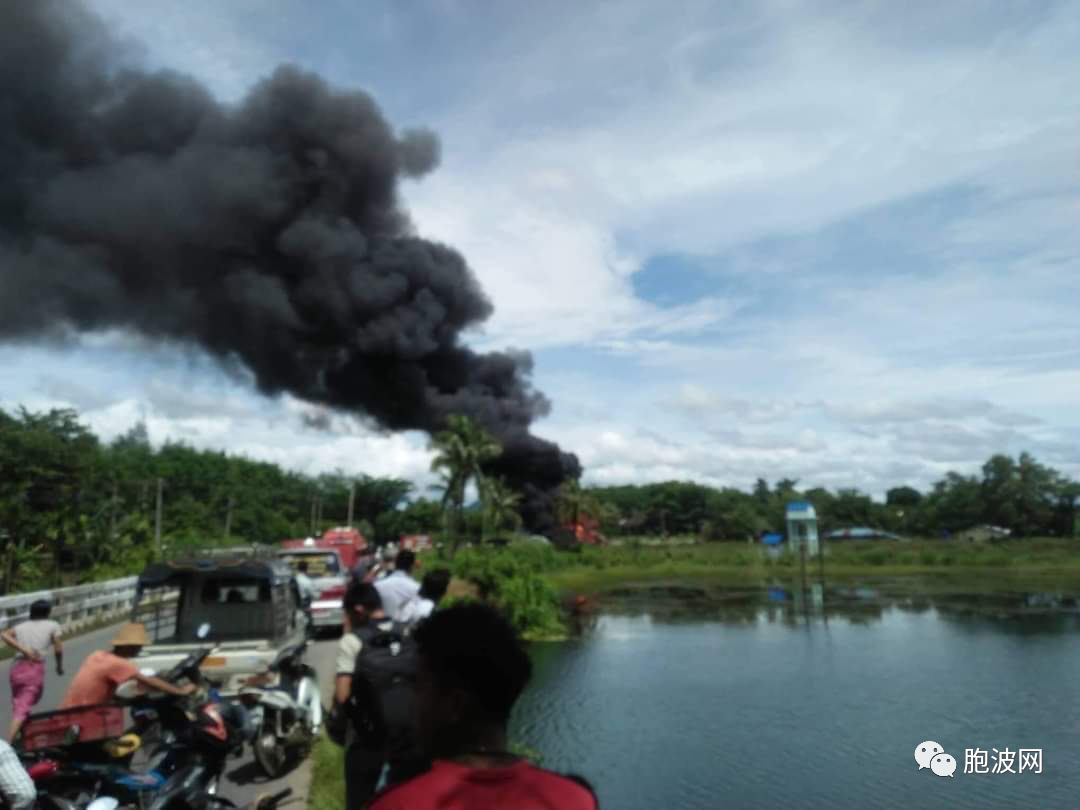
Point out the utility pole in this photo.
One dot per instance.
(112, 513)
(228, 517)
(352, 494)
(313, 498)
(318, 516)
(157, 517)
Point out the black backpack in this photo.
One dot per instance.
(384, 676)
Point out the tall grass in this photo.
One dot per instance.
(327, 776)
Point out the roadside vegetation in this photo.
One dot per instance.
(536, 584)
(327, 776)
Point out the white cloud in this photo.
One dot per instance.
(585, 139)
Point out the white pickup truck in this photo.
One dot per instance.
(329, 578)
(250, 603)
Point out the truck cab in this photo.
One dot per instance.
(251, 604)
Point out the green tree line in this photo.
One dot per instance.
(1022, 495)
(75, 509)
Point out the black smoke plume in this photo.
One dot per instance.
(267, 233)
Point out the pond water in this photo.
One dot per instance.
(690, 698)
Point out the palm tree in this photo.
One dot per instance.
(500, 506)
(461, 451)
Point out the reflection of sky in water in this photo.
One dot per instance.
(786, 707)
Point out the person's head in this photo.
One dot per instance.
(361, 602)
(472, 669)
(404, 561)
(130, 640)
(435, 584)
(302, 567)
(40, 609)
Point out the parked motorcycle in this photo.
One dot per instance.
(286, 711)
(196, 737)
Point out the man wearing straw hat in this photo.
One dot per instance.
(102, 672)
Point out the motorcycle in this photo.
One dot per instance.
(286, 711)
(196, 736)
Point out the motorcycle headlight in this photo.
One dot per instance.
(103, 803)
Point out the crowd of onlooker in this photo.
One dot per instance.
(422, 697)
(422, 701)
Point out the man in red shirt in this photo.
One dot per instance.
(472, 669)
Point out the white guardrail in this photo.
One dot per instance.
(76, 606)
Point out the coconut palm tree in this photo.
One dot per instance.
(461, 449)
(500, 507)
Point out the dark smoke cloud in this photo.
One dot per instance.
(268, 233)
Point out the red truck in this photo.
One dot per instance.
(348, 542)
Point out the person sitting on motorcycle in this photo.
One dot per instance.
(102, 672)
(471, 669)
(16, 787)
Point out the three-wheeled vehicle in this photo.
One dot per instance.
(251, 603)
(259, 641)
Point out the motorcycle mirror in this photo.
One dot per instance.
(203, 631)
(103, 803)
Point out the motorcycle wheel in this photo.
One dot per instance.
(270, 754)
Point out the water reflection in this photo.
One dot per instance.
(811, 697)
(816, 603)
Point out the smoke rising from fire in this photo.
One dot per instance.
(267, 233)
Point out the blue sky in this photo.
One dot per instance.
(830, 241)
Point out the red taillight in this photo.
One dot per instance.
(43, 769)
(337, 592)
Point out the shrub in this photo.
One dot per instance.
(510, 578)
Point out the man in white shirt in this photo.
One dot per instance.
(432, 589)
(398, 588)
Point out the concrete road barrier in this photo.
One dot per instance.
(76, 606)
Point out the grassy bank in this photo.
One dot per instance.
(1036, 562)
(531, 582)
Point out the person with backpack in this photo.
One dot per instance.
(372, 714)
(471, 669)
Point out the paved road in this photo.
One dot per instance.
(244, 782)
